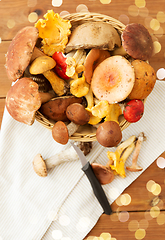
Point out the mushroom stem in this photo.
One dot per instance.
(64, 156)
(134, 167)
(46, 96)
(72, 128)
(42, 166)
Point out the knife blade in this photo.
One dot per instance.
(96, 186)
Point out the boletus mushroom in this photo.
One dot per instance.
(93, 35)
(20, 52)
(23, 100)
(136, 42)
(77, 113)
(109, 134)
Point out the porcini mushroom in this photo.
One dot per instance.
(113, 79)
(109, 134)
(61, 132)
(44, 65)
(20, 52)
(103, 173)
(77, 113)
(145, 79)
(136, 42)
(23, 100)
(55, 109)
(93, 35)
(42, 166)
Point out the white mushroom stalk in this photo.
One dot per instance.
(42, 166)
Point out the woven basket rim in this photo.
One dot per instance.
(76, 19)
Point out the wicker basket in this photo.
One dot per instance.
(86, 133)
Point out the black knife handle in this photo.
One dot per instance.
(97, 188)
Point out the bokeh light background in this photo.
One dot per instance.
(138, 11)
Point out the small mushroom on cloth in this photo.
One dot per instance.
(23, 100)
(113, 79)
(20, 52)
(93, 35)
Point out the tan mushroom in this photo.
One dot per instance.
(23, 100)
(44, 65)
(93, 35)
(20, 52)
(42, 166)
(77, 113)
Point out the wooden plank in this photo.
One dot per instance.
(2, 105)
(5, 83)
(126, 230)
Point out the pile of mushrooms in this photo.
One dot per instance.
(103, 66)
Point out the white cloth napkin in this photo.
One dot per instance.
(62, 205)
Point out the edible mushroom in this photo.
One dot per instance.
(93, 35)
(113, 79)
(109, 134)
(44, 65)
(137, 42)
(61, 132)
(20, 52)
(23, 100)
(103, 173)
(42, 166)
(77, 113)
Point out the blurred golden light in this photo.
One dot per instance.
(57, 3)
(160, 17)
(133, 10)
(105, 236)
(124, 19)
(81, 8)
(154, 24)
(140, 234)
(63, 13)
(133, 225)
(33, 17)
(143, 12)
(143, 224)
(156, 189)
(154, 212)
(105, 1)
(140, 3)
(161, 219)
(123, 216)
(10, 23)
(149, 185)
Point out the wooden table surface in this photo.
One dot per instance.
(144, 216)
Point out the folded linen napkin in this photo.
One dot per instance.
(63, 206)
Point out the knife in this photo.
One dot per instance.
(97, 188)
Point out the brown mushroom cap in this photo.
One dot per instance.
(23, 100)
(103, 174)
(109, 134)
(60, 133)
(39, 166)
(145, 79)
(55, 109)
(137, 41)
(20, 52)
(77, 114)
